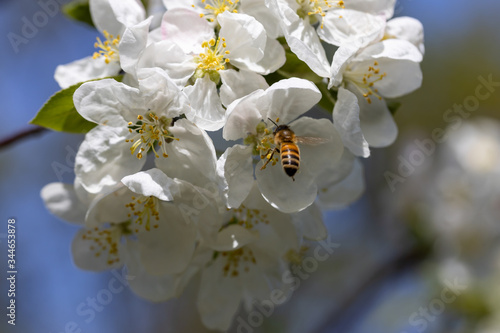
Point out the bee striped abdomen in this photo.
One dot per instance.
(290, 158)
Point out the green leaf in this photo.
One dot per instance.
(393, 106)
(79, 10)
(59, 112)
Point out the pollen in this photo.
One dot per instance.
(103, 242)
(236, 260)
(149, 131)
(312, 8)
(107, 49)
(213, 59)
(144, 212)
(365, 80)
(215, 7)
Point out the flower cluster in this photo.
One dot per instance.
(201, 162)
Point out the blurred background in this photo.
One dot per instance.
(417, 253)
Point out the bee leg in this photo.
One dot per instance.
(270, 157)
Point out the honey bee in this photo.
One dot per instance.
(285, 142)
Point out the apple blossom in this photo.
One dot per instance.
(125, 30)
(133, 121)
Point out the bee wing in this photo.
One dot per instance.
(310, 140)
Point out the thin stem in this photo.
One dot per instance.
(30, 131)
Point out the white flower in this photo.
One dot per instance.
(251, 118)
(387, 69)
(133, 121)
(246, 260)
(355, 22)
(190, 52)
(212, 8)
(123, 24)
(406, 28)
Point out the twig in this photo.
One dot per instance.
(405, 260)
(31, 131)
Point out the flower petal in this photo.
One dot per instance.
(169, 248)
(290, 98)
(62, 201)
(407, 28)
(243, 115)
(107, 102)
(132, 43)
(346, 121)
(152, 182)
(342, 194)
(185, 28)
(237, 84)
(86, 257)
(310, 223)
(208, 113)
(376, 121)
(301, 37)
(104, 158)
(352, 27)
(192, 157)
(245, 38)
(84, 69)
(235, 167)
(274, 57)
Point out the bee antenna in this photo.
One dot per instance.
(272, 121)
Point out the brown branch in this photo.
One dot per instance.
(30, 131)
(404, 260)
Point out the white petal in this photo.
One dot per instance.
(104, 158)
(84, 254)
(377, 7)
(107, 102)
(290, 98)
(351, 27)
(395, 49)
(109, 207)
(341, 60)
(218, 297)
(407, 28)
(403, 77)
(274, 57)
(310, 223)
(243, 115)
(208, 113)
(301, 37)
(104, 18)
(346, 121)
(127, 12)
(282, 192)
(168, 248)
(237, 84)
(152, 288)
(234, 237)
(377, 123)
(185, 28)
(160, 94)
(245, 38)
(235, 167)
(84, 69)
(316, 156)
(170, 57)
(191, 158)
(62, 201)
(152, 182)
(345, 192)
(261, 13)
(132, 43)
